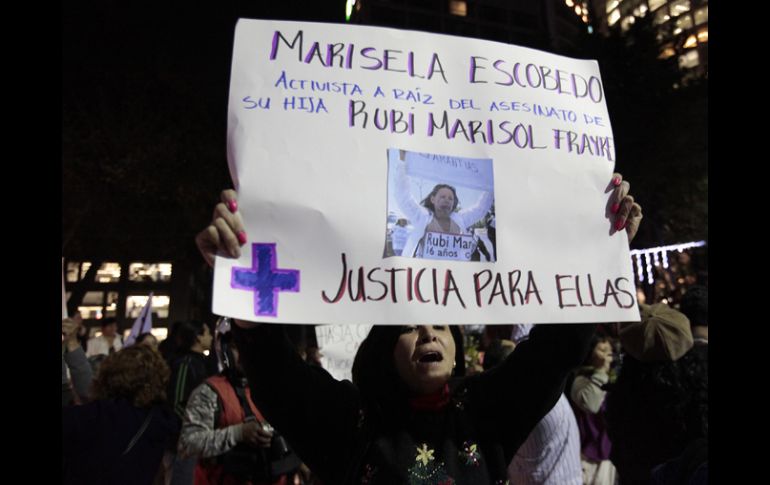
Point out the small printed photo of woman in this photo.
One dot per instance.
(438, 226)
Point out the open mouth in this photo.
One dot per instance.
(430, 357)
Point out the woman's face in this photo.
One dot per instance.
(424, 357)
(205, 338)
(443, 201)
(602, 355)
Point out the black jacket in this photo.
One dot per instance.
(343, 440)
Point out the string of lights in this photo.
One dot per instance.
(657, 256)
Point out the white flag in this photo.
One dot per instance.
(142, 324)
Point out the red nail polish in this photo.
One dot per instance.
(615, 207)
(242, 237)
(620, 224)
(616, 181)
(232, 205)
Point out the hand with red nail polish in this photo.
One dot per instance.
(225, 234)
(627, 213)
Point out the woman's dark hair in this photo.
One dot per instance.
(374, 370)
(136, 373)
(429, 205)
(187, 334)
(597, 338)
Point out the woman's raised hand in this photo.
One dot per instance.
(623, 212)
(226, 232)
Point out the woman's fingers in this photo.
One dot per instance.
(633, 220)
(208, 243)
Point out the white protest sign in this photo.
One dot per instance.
(325, 124)
(338, 345)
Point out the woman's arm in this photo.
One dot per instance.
(587, 393)
(477, 212)
(199, 435)
(317, 414)
(410, 207)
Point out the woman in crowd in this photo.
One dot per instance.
(587, 396)
(410, 416)
(120, 436)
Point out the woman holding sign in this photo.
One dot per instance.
(410, 417)
(436, 214)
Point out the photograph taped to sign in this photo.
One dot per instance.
(439, 207)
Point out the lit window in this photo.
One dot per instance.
(613, 18)
(702, 15)
(578, 10)
(585, 19)
(92, 305)
(135, 303)
(612, 4)
(654, 4)
(108, 273)
(683, 22)
(76, 271)
(668, 51)
(627, 22)
(570, 3)
(149, 272)
(689, 60)
(73, 272)
(678, 7)
(703, 35)
(640, 11)
(111, 309)
(660, 16)
(590, 30)
(458, 7)
(690, 42)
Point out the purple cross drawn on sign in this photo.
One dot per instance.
(264, 280)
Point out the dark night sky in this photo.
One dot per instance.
(144, 119)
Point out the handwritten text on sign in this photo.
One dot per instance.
(314, 109)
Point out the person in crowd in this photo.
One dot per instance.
(409, 416)
(587, 396)
(188, 371)
(74, 364)
(551, 453)
(695, 306)
(106, 343)
(168, 347)
(436, 213)
(147, 339)
(223, 428)
(120, 435)
(657, 410)
(399, 236)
